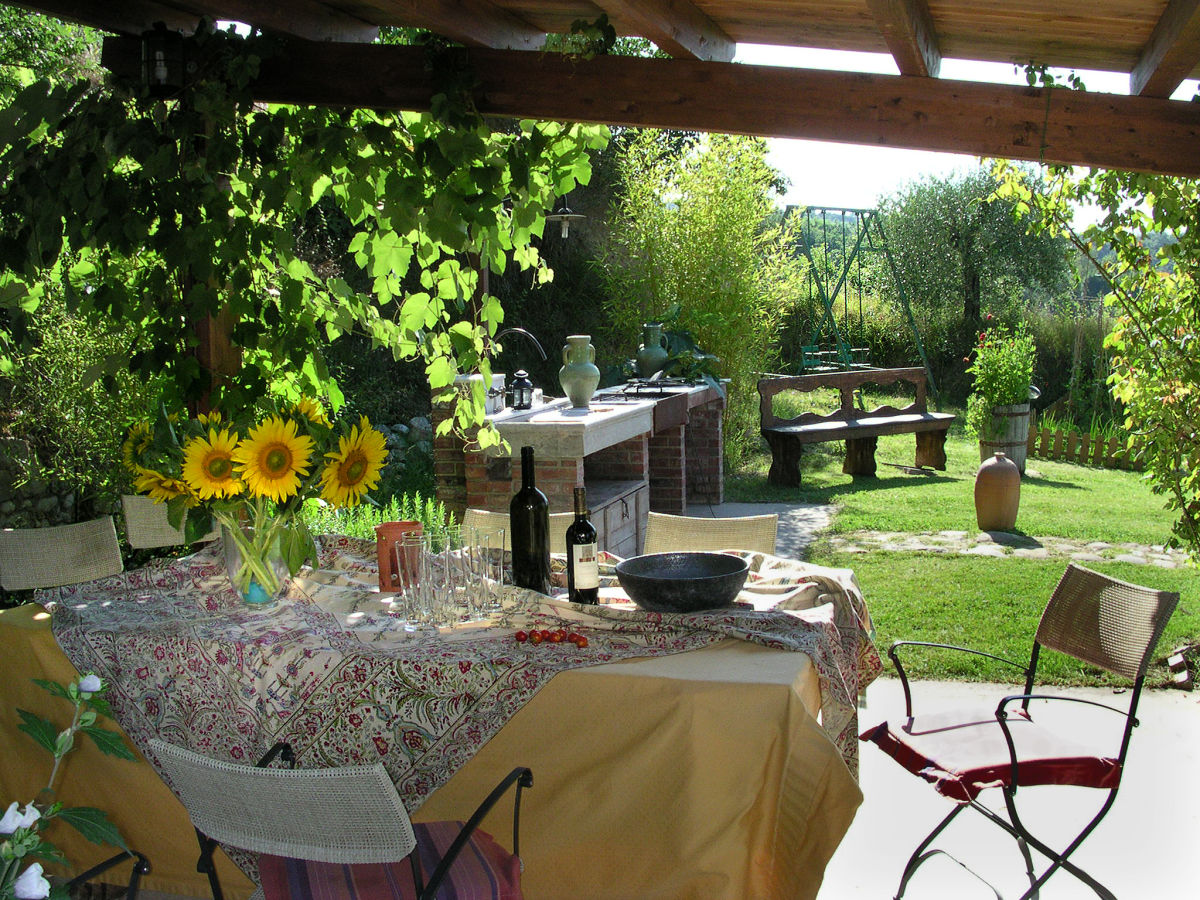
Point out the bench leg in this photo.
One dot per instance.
(860, 456)
(931, 449)
(785, 460)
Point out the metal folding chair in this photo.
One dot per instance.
(340, 832)
(1094, 618)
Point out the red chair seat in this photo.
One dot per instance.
(963, 752)
(483, 871)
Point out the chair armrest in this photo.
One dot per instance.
(283, 750)
(894, 656)
(522, 778)
(1002, 718)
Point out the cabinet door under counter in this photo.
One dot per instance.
(619, 510)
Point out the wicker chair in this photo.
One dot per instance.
(1094, 618)
(492, 522)
(147, 526)
(665, 533)
(58, 555)
(340, 832)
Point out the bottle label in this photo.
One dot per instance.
(586, 566)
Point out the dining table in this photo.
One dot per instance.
(707, 755)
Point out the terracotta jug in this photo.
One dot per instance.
(997, 494)
(395, 561)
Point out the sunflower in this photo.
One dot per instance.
(311, 409)
(209, 419)
(161, 487)
(135, 444)
(273, 458)
(208, 465)
(353, 469)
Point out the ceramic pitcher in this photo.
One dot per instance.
(652, 355)
(579, 376)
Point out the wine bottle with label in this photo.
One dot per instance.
(583, 565)
(529, 524)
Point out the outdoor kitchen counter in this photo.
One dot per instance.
(558, 430)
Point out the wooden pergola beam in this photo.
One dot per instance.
(127, 16)
(1171, 54)
(475, 23)
(909, 31)
(678, 27)
(1054, 125)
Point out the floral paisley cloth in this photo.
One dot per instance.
(333, 669)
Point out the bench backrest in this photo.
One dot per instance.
(847, 383)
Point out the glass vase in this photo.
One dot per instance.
(255, 564)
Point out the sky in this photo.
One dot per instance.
(856, 176)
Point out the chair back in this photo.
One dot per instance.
(58, 555)
(1105, 622)
(349, 814)
(667, 533)
(147, 526)
(491, 522)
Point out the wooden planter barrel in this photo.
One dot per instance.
(1010, 430)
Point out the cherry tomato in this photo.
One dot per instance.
(573, 637)
(545, 634)
(521, 637)
(535, 637)
(582, 642)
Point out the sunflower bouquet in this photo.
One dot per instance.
(251, 477)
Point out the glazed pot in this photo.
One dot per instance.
(579, 375)
(652, 356)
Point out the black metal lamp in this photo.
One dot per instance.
(564, 214)
(163, 60)
(522, 390)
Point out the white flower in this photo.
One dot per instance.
(90, 683)
(12, 820)
(31, 885)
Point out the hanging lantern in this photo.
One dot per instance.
(162, 60)
(564, 214)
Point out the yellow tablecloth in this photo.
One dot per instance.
(702, 774)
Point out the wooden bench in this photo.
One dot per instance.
(858, 428)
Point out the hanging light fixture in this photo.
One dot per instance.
(564, 214)
(162, 60)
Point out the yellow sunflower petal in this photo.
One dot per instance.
(160, 487)
(273, 458)
(311, 409)
(135, 444)
(208, 465)
(353, 469)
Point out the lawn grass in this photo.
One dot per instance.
(1057, 499)
(987, 603)
(993, 605)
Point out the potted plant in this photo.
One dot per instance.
(998, 408)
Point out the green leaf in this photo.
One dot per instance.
(108, 742)
(93, 824)
(53, 687)
(43, 732)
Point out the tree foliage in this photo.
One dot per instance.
(1153, 275)
(174, 213)
(34, 46)
(692, 230)
(951, 245)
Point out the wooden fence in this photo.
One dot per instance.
(1074, 447)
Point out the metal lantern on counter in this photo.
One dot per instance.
(522, 390)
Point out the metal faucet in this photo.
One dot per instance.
(541, 352)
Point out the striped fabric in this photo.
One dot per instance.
(483, 871)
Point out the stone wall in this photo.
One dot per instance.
(28, 502)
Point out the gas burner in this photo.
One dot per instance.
(652, 385)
